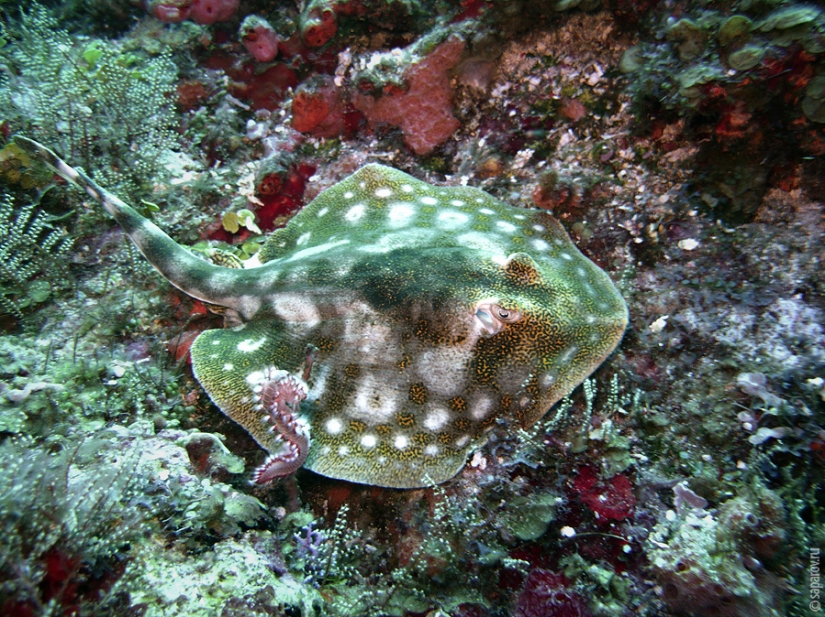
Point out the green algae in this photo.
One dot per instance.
(813, 105)
(736, 28)
(528, 518)
(746, 58)
(230, 574)
(789, 17)
(690, 37)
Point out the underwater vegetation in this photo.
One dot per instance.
(90, 99)
(30, 246)
(661, 455)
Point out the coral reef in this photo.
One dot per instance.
(67, 524)
(679, 144)
(746, 76)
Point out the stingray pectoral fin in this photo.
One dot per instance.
(231, 363)
(361, 456)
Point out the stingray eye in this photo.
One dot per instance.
(491, 316)
(506, 315)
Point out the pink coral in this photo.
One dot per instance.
(319, 27)
(259, 38)
(424, 112)
(207, 12)
(169, 11)
(319, 110)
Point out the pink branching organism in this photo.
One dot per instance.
(279, 395)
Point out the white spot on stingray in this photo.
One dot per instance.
(322, 212)
(581, 272)
(443, 369)
(457, 202)
(368, 441)
(334, 426)
(400, 214)
(519, 217)
(568, 354)
(319, 382)
(354, 214)
(436, 419)
(349, 195)
(302, 239)
(486, 211)
(449, 219)
(566, 256)
(383, 192)
(481, 407)
(296, 308)
(326, 450)
(406, 188)
(540, 245)
(343, 450)
(401, 442)
(374, 402)
(539, 228)
(462, 441)
(228, 366)
(482, 242)
(216, 342)
(430, 201)
(248, 345)
(374, 248)
(506, 227)
(431, 450)
(254, 378)
(315, 250)
(404, 237)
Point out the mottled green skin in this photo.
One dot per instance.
(434, 312)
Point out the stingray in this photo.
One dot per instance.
(390, 325)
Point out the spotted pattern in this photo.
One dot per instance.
(417, 316)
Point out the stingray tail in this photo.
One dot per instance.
(184, 270)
